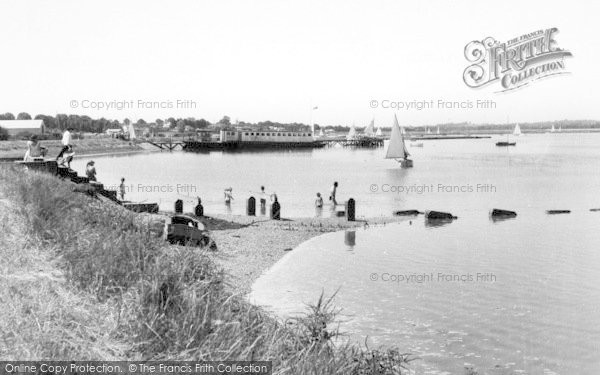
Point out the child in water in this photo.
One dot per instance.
(319, 201)
(228, 195)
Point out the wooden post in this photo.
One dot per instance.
(199, 211)
(350, 209)
(275, 211)
(178, 206)
(251, 207)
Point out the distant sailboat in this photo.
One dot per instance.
(560, 129)
(396, 148)
(438, 130)
(351, 133)
(428, 131)
(378, 131)
(552, 130)
(517, 130)
(321, 133)
(370, 130)
(131, 131)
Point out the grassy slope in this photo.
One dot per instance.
(85, 280)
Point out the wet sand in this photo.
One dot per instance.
(248, 245)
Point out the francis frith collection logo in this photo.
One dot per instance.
(515, 63)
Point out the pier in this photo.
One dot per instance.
(169, 145)
(358, 142)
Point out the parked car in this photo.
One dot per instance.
(185, 230)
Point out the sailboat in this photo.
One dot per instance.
(517, 130)
(321, 133)
(438, 130)
(396, 148)
(378, 131)
(351, 133)
(370, 130)
(560, 129)
(552, 130)
(131, 131)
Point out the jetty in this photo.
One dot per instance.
(357, 142)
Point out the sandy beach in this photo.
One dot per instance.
(249, 245)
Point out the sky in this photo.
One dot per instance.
(277, 60)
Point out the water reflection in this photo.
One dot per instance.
(350, 239)
(436, 223)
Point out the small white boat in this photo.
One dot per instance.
(370, 130)
(378, 131)
(351, 133)
(396, 147)
(517, 130)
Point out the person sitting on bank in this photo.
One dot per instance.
(67, 158)
(66, 142)
(34, 149)
(90, 171)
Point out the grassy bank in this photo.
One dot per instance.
(16, 149)
(85, 280)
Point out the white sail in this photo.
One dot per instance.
(517, 130)
(370, 130)
(559, 129)
(438, 130)
(428, 131)
(378, 131)
(321, 133)
(396, 147)
(351, 133)
(552, 130)
(131, 131)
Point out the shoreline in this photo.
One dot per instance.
(248, 246)
(15, 150)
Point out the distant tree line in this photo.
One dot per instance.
(80, 123)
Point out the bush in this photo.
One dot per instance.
(3, 134)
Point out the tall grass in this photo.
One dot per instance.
(171, 302)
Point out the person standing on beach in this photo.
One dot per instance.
(333, 193)
(90, 170)
(122, 188)
(66, 142)
(263, 198)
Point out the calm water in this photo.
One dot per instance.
(542, 171)
(535, 308)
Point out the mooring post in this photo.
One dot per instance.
(251, 207)
(350, 209)
(199, 211)
(276, 210)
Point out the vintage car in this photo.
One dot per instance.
(185, 230)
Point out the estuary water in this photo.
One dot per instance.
(519, 296)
